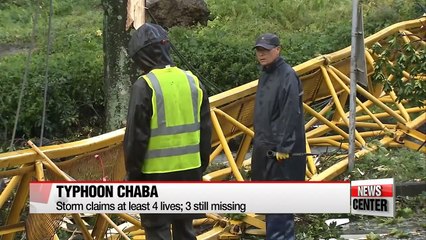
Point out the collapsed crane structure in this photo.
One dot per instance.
(326, 89)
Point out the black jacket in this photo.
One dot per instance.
(278, 124)
(138, 133)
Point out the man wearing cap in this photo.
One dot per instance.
(168, 130)
(278, 126)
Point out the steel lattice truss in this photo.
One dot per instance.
(326, 89)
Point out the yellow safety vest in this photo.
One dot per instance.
(175, 122)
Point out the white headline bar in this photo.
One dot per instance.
(199, 197)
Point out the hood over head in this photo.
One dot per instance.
(149, 47)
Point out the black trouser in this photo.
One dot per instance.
(158, 228)
(280, 227)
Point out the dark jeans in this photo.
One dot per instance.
(280, 227)
(182, 229)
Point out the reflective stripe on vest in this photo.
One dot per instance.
(175, 124)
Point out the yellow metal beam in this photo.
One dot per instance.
(17, 171)
(254, 221)
(39, 173)
(385, 114)
(370, 97)
(308, 173)
(333, 93)
(342, 101)
(234, 122)
(315, 141)
(233, 94)
(360, 104)
(17, 158)
(414, 37)
(412, 132)
(58, 171)
(419, 121)
(213, 234)
(338, 138)
(404, 37)
(13, 228)
(7, 191)
(320, 130)
(225, 146)
(216, 152)
(130, 219)
(314, 120)
(328, 123)
(99, 228)
(18, 204)
(312, 169)
(138, 232)
(82, 226)
(370, 125)
(369, 41)
(411, 145)
(401, 107)
(243, 149)
(338, 168)
(217, 175)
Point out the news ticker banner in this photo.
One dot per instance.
(175, 197)
(204, 197)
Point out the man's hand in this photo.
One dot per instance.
(282, 156)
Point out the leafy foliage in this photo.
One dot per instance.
(407, 57)
(401, 164)
(222, 51)
(16, 21)
(229, 69)
(310, 227)
(382, 13)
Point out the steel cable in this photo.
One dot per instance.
(25, 77)
(46, 76)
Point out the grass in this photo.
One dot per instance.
(18, 18)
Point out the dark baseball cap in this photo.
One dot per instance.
(146, 35)
(268, 41)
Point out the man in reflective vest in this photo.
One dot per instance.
(168, 129)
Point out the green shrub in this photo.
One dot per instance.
(404, 165)
(379, 14)
(234, 63)
(307, 29)
(16, 21)
(75, 97)
(407, 57)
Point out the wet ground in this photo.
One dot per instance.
(8, 49)
(387, 228)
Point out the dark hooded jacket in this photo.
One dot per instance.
(278, 124)
(138, 131)
(150, 49)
